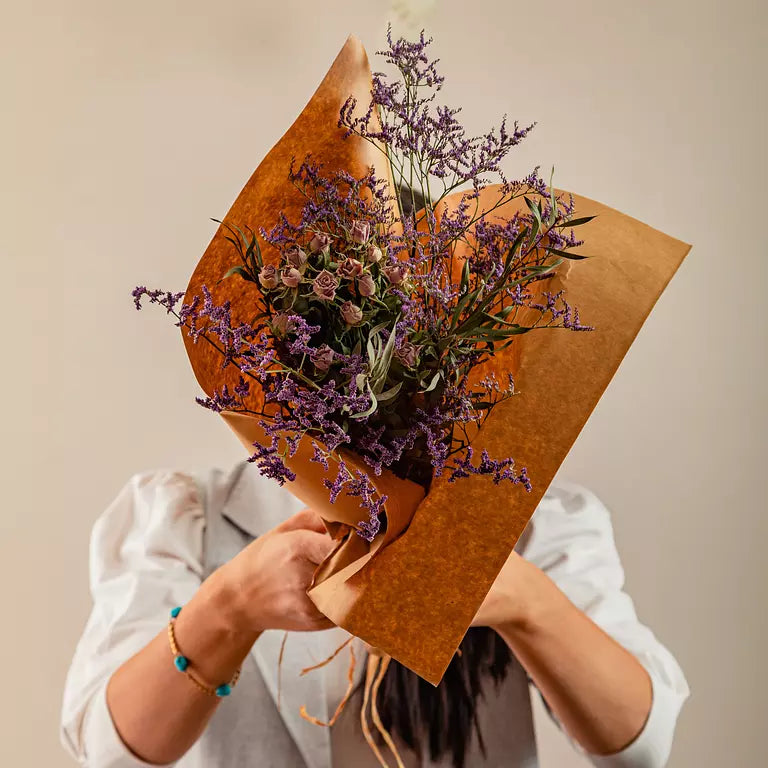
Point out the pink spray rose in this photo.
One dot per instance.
(407, 353)
(290, 277)
(323, 357)
(396, 273)
(349, 269)
(360, 231)
(295, 257)
(351, 313)
(282, 323)
(319, 241)
(268, 277)
(365, 285)
(325, 285)
(374, 254)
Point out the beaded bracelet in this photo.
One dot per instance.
(181, 663)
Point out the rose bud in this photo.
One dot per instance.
(325, 285)
(407, 353)
(351, 313)
(323, 357)
(361, 231)
(268, 277)
(295, 257)
(290, 277)
(395, 273)
(282, 323)
(350, 269)
(365, 285)
(374, 254)
(319, 241)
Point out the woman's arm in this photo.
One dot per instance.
(157, 711)
(561, 607)
(598, 690)
(125, 705)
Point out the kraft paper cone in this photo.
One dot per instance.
(414, 591)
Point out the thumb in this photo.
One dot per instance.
(304, 519)
(313, 546)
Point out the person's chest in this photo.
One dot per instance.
(260, 725)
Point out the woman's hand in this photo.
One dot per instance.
(512, 595)
(265, 585)
(598, 690)
(156, 711)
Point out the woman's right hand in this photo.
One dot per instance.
(266, 583)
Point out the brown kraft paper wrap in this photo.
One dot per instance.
(415, 589)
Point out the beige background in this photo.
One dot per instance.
(125, 126)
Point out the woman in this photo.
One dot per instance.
(237, 552)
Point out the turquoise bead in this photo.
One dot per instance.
(175, 611)
(181, 662)
(224, 690)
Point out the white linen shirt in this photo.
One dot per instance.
(167, 530)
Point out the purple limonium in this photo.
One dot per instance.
(351, 313)
(325, 285)
(291, 277)
(308, 372)
(268, 276)
(360, 231)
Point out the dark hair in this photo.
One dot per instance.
(443, 717)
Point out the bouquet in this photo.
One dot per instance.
(387, 323)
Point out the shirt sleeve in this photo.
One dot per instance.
(145, 557)
(570, 538)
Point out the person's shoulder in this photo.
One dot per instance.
(568, 497)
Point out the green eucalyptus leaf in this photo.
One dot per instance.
(237, 271)
(577, 222)
(433, 383)
(464, 275)
(568, 254)
(390, 393)
(552, 201)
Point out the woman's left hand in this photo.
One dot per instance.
(511, 595)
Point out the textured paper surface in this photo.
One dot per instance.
(414, 592)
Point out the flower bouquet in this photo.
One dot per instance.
(389, 325)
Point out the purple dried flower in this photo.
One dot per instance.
(325, 285)
(268, 276)
(351, 313)
(312, 389)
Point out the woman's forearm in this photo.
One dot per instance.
(597, 689)
(158, 712)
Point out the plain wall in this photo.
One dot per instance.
(126, 126)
